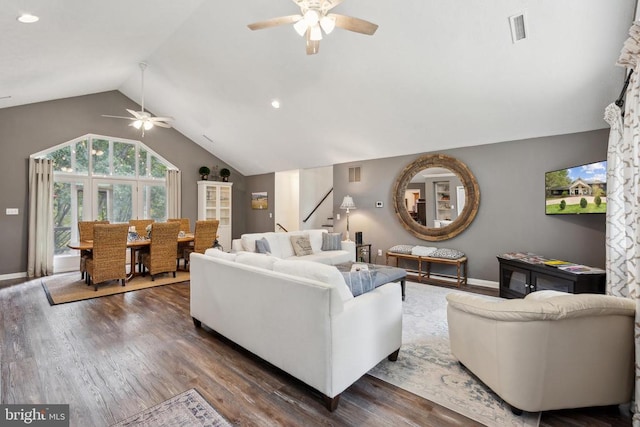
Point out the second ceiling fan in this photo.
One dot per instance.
(314, 19)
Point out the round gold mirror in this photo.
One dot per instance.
(436, 197)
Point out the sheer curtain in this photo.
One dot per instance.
(41, 245)
(623, 197)
(174, 193)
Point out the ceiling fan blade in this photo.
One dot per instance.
(356, 25)
(138, 115)
(162, 119)
(312, 45)
(162, 124)
(274, 22)
(118, 117)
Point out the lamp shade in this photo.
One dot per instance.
(347, 203)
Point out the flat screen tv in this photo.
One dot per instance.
(577, 190)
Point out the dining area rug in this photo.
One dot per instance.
(186, 409)
(69, 287)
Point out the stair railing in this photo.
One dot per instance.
(318, 205)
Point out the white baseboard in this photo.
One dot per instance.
(484, 283)
(13, 276)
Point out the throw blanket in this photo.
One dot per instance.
(362, 281)
(422, 250)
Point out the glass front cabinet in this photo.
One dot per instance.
(214, 202)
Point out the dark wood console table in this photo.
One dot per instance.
(518, 278)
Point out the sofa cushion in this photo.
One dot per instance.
(301, 245)
(401, 249)
(331, 241)
(313, 270)
(315, 237)
(327, 257)
(217, 253)
(257, 260)
(284, 243)
(249, 240)
(263, 246)
(447, 253)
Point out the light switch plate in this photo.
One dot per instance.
(12, 211)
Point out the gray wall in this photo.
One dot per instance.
(511, 215)
(28, 129)
(258, 220)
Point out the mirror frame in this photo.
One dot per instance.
(472, 197)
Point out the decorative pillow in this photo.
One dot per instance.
(331, 241)
(401, 249)
(301, 245)
(447, 253)
(217, 253)
(315, 237)
(361, 281)
(262, 246)
(257, 260)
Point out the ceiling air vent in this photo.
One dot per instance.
(518, 27)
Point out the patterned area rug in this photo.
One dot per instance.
(188, 409)
(427, 368)
(68, 287)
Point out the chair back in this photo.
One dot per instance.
(185, 224)
(164, 246)
(109, 252)
(85, 229)
(141, 225)
(204, 235)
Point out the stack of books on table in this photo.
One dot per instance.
(581, 269)
(529, 257)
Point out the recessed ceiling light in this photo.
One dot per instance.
(27, 18)
(275, 103)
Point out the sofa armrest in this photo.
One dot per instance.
(349, 246)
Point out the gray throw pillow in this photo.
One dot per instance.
(262, 246)
(361, 281)
(331, 241)
(301, 245)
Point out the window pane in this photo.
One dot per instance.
(115, 202)
(154, 202)
(100, 156)
(143, 169)
(82, 157)
(67, 210)
(158, 169)
(61, 159)
(124, 159)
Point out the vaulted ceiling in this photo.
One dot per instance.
(436, 74)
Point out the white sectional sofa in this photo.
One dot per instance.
(297, 315)
(280, 245)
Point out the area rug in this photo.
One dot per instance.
(68, 287)
(188, 409)
(427, 368)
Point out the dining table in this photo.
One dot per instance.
(134, 245)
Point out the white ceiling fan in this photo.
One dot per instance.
(142, 119)
(314, 19)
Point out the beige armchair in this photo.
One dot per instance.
(550, 350)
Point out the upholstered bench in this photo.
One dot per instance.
(425, 257)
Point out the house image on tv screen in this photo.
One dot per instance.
(576, 190)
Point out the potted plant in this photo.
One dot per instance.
(204, 172)
(225, 173)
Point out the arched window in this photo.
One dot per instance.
(104, 178)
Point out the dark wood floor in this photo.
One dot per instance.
(114, 356)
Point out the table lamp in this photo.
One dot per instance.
(347, 203)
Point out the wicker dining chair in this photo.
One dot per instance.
(141, 225)
(185, 226)
(85, 232)
(109, 254)
(203, 238)
(161, 257)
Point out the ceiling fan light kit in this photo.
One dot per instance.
(315, 18)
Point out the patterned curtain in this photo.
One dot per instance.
(40, 248)
(623, 196)
(174, 193)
